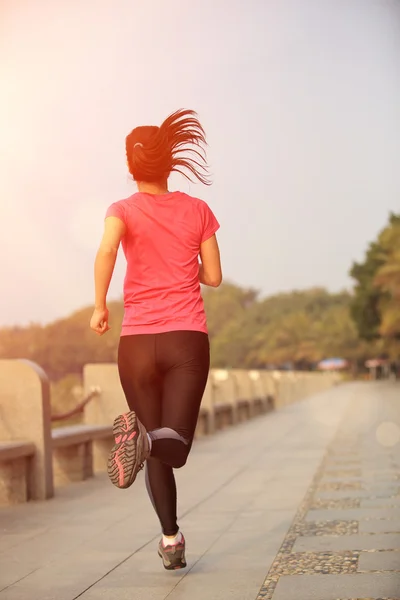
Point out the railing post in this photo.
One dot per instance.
(207, 404)
(225, 401)
(25, 414)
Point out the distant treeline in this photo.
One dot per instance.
(246, 330)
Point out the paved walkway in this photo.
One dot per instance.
(301, 504)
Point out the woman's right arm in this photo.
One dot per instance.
(210, 272)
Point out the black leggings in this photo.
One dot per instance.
(163, 376)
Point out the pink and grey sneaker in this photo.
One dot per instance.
(173, 556)
(130, 450)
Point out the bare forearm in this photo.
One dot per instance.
(202, 275)
(206, 280)
(103, 271)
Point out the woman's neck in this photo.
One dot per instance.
(152, 188)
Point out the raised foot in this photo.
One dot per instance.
(129, 452)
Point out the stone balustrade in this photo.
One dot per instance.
(34, 458)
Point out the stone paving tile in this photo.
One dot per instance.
(380, 541)
(353, 514)
(346, 463)
(359, 494)
(379, 526)
(332, 587)
(65, 580)
(322, 503)
(367, 479)
(342, 486)
(361, 463)
(392, 477)
(370, 470)
(378, 502)
(342, 473)
(382, 489)
(379, 561)
(344, 455)
(10, 539)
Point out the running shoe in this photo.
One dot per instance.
(173, 556)
(130, 450)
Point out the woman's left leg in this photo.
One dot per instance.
(183, 359)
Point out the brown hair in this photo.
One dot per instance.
(154, 152)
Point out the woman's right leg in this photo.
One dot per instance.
(142, 386)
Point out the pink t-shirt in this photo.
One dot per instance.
(161, 245)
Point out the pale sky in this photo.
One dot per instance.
(300, 100)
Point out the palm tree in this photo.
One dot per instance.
(387, 279)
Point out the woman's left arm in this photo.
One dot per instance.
(114, 231)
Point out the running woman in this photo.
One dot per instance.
(164, 352)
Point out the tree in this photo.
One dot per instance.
(300, 328)
(226, 304)
(387, 281)
(368, 296)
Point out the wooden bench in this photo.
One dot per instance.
(73, 451)
(15, 471)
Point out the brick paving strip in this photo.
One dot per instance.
(344, 543)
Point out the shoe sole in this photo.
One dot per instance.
(173, 565)
(124, 461)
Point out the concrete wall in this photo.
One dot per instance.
(233, 387)
(29, 452)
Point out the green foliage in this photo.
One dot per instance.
(365, 304)
(387, 281)
(63, 347)
(375, 306)
(300, 328)
(246, 331)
